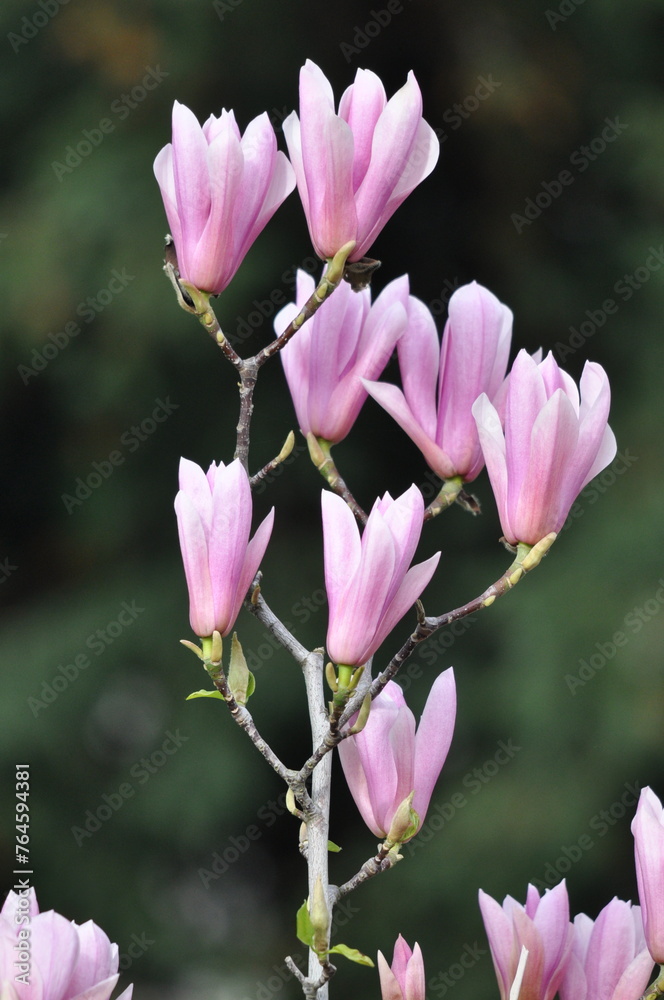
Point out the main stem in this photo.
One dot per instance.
(318, 820)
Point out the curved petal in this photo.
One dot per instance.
(433, 739)
(193, 545)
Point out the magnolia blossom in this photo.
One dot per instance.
(368, 582)
(648, 830)
(214, 523)
(388, 759)
(355, 167)
(542, 927)
(220, 189)
(552, 445)
(64, 961)
(440, 385)
(609, 957)
(405, 980)
(347, 339)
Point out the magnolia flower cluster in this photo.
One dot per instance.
(611, 957)
(63, 961)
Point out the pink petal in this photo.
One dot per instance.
(434, 736)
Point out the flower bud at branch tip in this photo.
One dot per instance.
(240, 679)
(330, 674)
(217, 648)
(405, 823)
(315, 451)
(193, 647)
(289, 444)
(320, 917)
(362, 715)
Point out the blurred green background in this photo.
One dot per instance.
(94, 679)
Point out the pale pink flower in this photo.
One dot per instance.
(648, 830)
(405, 979)
(347, 339)
(552, 445)
(388, 759)
(440, 385)
(355, 167)
(214, 523)
(64, 961)
(220, 189)
(609, 957)
(543, 927)
(369, 585)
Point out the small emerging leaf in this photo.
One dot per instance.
(204, 694)
(352, 954)
(334, 848)
(303, 926)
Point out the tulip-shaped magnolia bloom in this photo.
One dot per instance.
(388, 760)
(369, 585)
(609, 957)
(62, 960)
(543, 927)
(347, 339)
(405, 980)
(220, 189)
(214, 523)
(472, 360)
(648, 830)
(552, 445)
(356, 167)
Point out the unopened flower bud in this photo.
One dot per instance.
(405, 822)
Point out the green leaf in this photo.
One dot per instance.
(205, 694)
(303, 926)
(251, 685)
(352, 954)
(333, 847)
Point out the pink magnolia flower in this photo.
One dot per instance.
(220, 189)
(368, 582)
(552, 445)
(472, 360)
(405, 980)
(609, 957)
(63, 961)
(388, 760)
(214, 522)
(347, 338)
(356, 167)
(543, 927)
(648, 830)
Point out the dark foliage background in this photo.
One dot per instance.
(85, 709)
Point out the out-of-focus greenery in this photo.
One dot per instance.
(550, 84)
